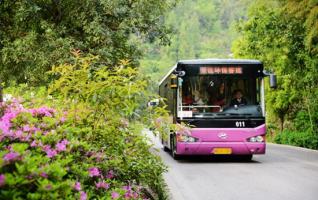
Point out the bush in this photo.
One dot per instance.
(297, 138)
(42, 156)
(89, 146)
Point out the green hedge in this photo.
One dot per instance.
(297, 138)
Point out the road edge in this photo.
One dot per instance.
(293, 147)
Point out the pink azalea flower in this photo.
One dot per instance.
(9, 148)
(18, 134)
(83, 196)
(110, 174)
(50, 153)
(115, 195)
(46, 147)
(26, 128)
(11, 156)
(33, 144)
(35, 129)
(46, 132)
(77, 186)
(44, 175)
(65, 141)
(44, 111)
(62, 119)
(127, 187)
(2, 180)
(93, 171)
(26, 138)
(61, 146)
(40, 144)
(102, 184)
(128, 195)
(135, 195)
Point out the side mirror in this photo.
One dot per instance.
(153, 103)
(273, 81)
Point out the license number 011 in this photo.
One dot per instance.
(240, 124)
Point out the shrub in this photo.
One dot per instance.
(42, 156)
(90, 145)
(108, 99)
(297, 138)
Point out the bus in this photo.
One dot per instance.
(222, 101)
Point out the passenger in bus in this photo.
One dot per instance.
(238, 100)
(219, 99)
(188, 100)
(198, 99)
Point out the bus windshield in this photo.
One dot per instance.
(219, 96)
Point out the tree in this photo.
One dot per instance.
(41, 33)
(283, 34)
(201, 29)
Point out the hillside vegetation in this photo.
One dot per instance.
(201, 29)
(284, 35)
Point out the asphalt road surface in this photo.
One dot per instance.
(284, 172)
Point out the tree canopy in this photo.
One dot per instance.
(201, 29)
(284, 35)
(37, 34)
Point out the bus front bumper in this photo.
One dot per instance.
(210, 148)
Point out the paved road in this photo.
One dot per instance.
(283, 173)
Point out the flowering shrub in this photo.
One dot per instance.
(90, 146)
(43, 156)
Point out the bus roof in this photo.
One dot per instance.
(219, 61)
(210, 61)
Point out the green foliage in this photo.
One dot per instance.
(283, 34)
(39, 33)
(297, 138)
(108, 103)
(42, 161)
(202, 29)
(102, 114)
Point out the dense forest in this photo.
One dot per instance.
(282, 34)
(201, 29)
(35, 35)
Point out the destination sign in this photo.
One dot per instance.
(221, 70)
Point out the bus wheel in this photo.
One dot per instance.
(174, 147)
(247, 157)
(166, 149)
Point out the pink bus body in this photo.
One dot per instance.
(236, 139)
(223, 102)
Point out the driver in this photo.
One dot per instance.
(238, 100)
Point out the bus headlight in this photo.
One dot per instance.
(186, 138)
(258, 138)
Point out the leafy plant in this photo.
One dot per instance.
(274, 33)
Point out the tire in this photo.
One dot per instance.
(174, 148)
(166, 149)
(247, 157)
